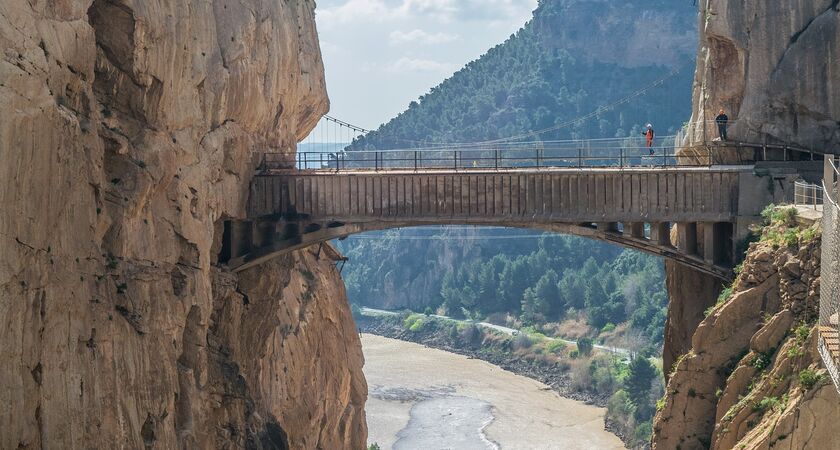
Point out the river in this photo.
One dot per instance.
(422, 398)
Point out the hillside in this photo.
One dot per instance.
(570, 59)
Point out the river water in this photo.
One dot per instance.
(422, 398)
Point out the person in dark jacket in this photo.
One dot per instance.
(722, 121)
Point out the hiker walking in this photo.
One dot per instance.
(722, 121)
(649, 134)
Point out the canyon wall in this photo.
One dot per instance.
(753, 378)
(773, 66)
(127, 138)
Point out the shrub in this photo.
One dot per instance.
(584, 346)
(522, 341)
(411, 319)
(762, 360)
(428, 311)
(809, 378)
(609, 327)
(574, 354)
(724, 295)
(766, 403)
(374, 446)
(556, 347)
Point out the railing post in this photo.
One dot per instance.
(621, 157)
(538, 158)
(415, 160)
(456, 159)
(580, 157)
(376, 161)
(496, 158)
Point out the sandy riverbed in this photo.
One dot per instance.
(430, 399)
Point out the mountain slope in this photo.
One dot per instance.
(572, 58)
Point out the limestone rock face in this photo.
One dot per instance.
(774, 67)
(739, 385)
(127, 136)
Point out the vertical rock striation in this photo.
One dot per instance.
(126, 138)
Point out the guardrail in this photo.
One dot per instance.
(829, 322)
(486, 158)
(611, 152)
(807, 194)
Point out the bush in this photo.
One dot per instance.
(584, 346)
(411, 319)
(374, 446)
(556, 347)
(643, 432)
(762, 360)
(766, 403)
(522, 341)
(608, 328)
(809, 378)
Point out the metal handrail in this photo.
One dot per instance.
(807, 194)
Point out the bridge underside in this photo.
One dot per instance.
(705, 247)
(631, 207)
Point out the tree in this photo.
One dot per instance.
(638, 385)
(584, 346)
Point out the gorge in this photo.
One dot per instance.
(130, 135)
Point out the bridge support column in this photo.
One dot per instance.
(660, 233)
(241, 237)
(687, 237)
(608, 227)
(710, 239)
(635, 230)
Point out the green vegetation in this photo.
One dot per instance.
(781, 228)
(632, 406)
(808, 378)
(374, 446)
(550, 283)
(584, 346)
(532, 82)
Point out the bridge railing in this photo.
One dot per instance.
(807, 194)
(829, 321)
(745, 133)
(489, 158)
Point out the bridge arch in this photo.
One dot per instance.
(248, 244)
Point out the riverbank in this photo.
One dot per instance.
(475, 343)
(469, 403)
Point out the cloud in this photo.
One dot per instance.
(420, 37)
(443, 11)
(408, 65)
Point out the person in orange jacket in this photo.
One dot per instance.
(649, 135)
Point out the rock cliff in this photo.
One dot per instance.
(126, 139)
(774, 68)
(753, 378)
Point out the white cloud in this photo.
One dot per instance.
(408, 65)
(420, 37)
(353, 11)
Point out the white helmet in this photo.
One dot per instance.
(649, 126)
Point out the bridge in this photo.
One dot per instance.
(612, 190)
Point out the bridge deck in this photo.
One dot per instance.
(505, 196)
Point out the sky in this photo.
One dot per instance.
(379, 55)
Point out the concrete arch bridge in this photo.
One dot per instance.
(634, 207)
